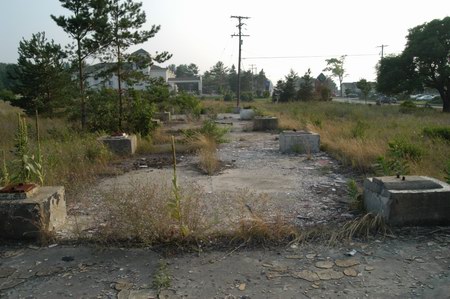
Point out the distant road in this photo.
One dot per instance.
(358, 101)
(352, 101)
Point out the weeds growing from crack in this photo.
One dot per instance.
(362, 227)
(162, 279)
(258, 224)
(207, 153)
(142, 214)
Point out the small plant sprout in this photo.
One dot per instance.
(175, 202)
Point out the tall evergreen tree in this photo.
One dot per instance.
(125, 21)
(41, 74)
(289, 91)
(306, 90)
(87, 20)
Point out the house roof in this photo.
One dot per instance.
(181, 79)
(155, 67)
(141, 52)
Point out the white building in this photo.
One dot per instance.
(98, 76)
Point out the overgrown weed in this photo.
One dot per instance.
(142, 214)
(258, 224)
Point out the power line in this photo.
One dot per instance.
(308, 56)
(240, 35)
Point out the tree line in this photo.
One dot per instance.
(44, 75)
(222, 80)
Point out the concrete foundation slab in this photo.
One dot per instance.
(247, 114)
(416, 200)
(121, 145)
(41, 213)
(265, 123)
(300, 142)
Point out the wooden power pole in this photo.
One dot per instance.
(240, 35)
(382, 50)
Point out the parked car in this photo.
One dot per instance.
(426, 97)
(415, 96)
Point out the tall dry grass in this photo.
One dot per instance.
(206, 149)
(70, 158)
(358, 134)
(142, 213)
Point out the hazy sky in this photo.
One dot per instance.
(199, 31)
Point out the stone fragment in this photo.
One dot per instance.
(11, 283)
(345, 263)
(328, 274)
(6, 271)
(324, 265)
(47, 271)
(369, 268)
(293, 257)
(143, 294)
(123, 285)
(310, 256)
(350, 272)
(306, 275)
(272, 275)
(242, 287)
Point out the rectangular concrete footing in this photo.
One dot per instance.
(31, 218)
(265, 124)
(121, 145)
(416, 200)
(299, 142)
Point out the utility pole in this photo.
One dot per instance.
(382, 50)
(253, 68)
(239, 26)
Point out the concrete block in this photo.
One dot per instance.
(42, 212)
(247, 114)
(300, 142)
(121, 145)
(417, 200)
(265, 123)
(163, 116)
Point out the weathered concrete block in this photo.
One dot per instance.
(121, 145)
(300, 142)
(247, 114)
(265, 123)
(163, 116)
(417, 200)
(42, 212)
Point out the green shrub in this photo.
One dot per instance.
(102, 109)
(359, 130)
(188, 104)
(214, 131)
(402, 149)
(139, 116)
(407, 106)
(247, 96)
(391, 166)
(437, 132)
(228, 97)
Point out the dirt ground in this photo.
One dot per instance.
(417, 266)
(306, 189)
